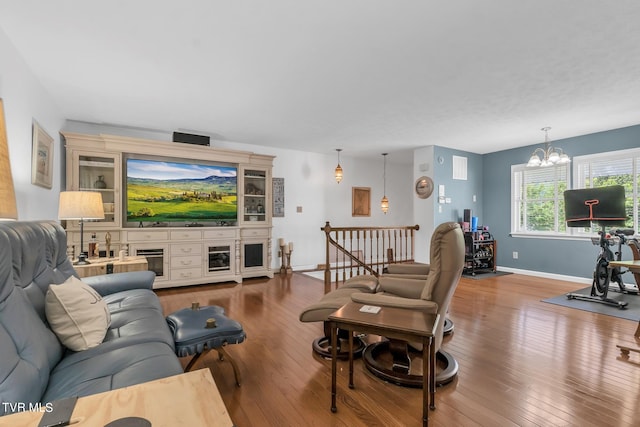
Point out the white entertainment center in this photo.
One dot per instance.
(188, 254)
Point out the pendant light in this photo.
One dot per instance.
(384, 203)
(338, 168)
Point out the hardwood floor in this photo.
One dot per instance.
(522, 362)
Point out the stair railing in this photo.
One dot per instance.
(352, 251)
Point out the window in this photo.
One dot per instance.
(537, 199)
(613, 168)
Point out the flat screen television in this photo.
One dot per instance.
(179, 192)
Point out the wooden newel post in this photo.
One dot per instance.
(327, 267)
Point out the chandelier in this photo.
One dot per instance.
(550, 155)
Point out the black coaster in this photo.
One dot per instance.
(129, 422)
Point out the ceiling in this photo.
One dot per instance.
(367, 76)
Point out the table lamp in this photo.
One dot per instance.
(80, 205)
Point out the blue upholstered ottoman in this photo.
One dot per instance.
(200, 329)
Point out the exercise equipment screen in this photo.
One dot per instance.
(603, 205)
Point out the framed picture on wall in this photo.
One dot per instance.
(361, 201)
(278, 197)
(41, 157)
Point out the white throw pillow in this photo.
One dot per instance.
(77, 314)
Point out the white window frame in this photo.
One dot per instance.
(575, 178)
(581, 162)
(517, 229)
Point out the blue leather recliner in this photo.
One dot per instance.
(34, 365)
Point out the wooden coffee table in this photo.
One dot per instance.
(190, 399)
(392, 322)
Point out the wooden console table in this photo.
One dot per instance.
(392, 322)
(190, 399)
(98, 266)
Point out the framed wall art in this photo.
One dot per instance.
(278, 197)
(361, 201)
(41, 157)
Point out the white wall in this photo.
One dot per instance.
(310, 183)
(423, 209)
(24, 100)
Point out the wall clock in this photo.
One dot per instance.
(424, 187)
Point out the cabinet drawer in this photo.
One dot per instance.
(186, 261)
(255, 232)
(147, 236)
(186, 249)
(186, 273)
(220, 234)
(186, 235)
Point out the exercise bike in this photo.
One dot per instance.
(603, 275)
(604, 206)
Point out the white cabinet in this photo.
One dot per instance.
(256, 252)
(98, 172)
(220, 258)
(180, 256)
(157, 254)
(256, 201)
(185, 260)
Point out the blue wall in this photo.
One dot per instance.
(461, 192)
(566, 257)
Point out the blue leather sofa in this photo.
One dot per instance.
(34, 366)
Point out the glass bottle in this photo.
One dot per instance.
(93, 246)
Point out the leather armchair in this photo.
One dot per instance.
(416, 269)
(431, 293)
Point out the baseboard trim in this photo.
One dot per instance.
(583, 280)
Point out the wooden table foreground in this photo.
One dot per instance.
(189, 399)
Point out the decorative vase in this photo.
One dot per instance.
(100, 184)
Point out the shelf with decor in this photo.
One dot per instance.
(99, 172)
(255, 202)
(480, 253)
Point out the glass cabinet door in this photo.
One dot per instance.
(100, 172)
(255, 200)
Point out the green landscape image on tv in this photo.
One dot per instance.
(193, 192)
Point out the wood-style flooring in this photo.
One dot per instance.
(522, 362)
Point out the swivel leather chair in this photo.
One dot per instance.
(391, 359)
(416, 271)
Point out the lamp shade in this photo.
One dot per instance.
(80, 205)
(8, 209)
(338, 173)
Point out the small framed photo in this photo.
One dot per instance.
(361, 201)
(41, 157)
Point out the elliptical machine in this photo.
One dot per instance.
(605, 206)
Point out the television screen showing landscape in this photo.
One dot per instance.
(162, 191)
